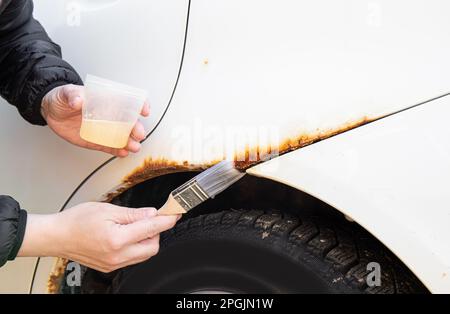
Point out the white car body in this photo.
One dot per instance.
(296, 70)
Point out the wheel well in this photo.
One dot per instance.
(248, 194)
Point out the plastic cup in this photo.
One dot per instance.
(110, 111)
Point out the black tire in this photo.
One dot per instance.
(258, 252)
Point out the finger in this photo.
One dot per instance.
(141, 251)
(118, 152)
(147, 228)
(73, 96)
(138, 132)
(151, 240)
(128, 215)
(121, 153)
(134, 254)
(133, 146)
(76, 103)
(145, 109)
(112, 151)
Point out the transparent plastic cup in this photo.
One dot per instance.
(110, 111)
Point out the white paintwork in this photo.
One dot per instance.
(393, 178)
(139, 44)
(288, 67)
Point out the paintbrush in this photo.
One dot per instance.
(206, 185)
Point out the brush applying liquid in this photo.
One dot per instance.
(206, 185)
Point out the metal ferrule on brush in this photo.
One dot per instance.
(189, 195)
(206, 185)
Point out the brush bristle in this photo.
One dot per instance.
(219, 177)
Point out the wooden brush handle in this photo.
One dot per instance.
(171, 207)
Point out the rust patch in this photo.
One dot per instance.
(256, 155)
(152, 168)
(56, 275)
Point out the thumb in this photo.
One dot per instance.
(72, 95)
(76, 103)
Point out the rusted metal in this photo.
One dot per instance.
(152, 168)
(252, 156)
(256, 155)
(56, 275)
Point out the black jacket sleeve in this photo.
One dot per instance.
(13, 221)
(30, 63)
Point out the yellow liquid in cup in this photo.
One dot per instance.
(113, 134)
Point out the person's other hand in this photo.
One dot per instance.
(61, 108)
(101, 236)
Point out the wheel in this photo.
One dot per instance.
(266, 252)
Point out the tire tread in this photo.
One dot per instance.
(346, 251)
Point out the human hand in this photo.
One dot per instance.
(101, 236)
(61, 108)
